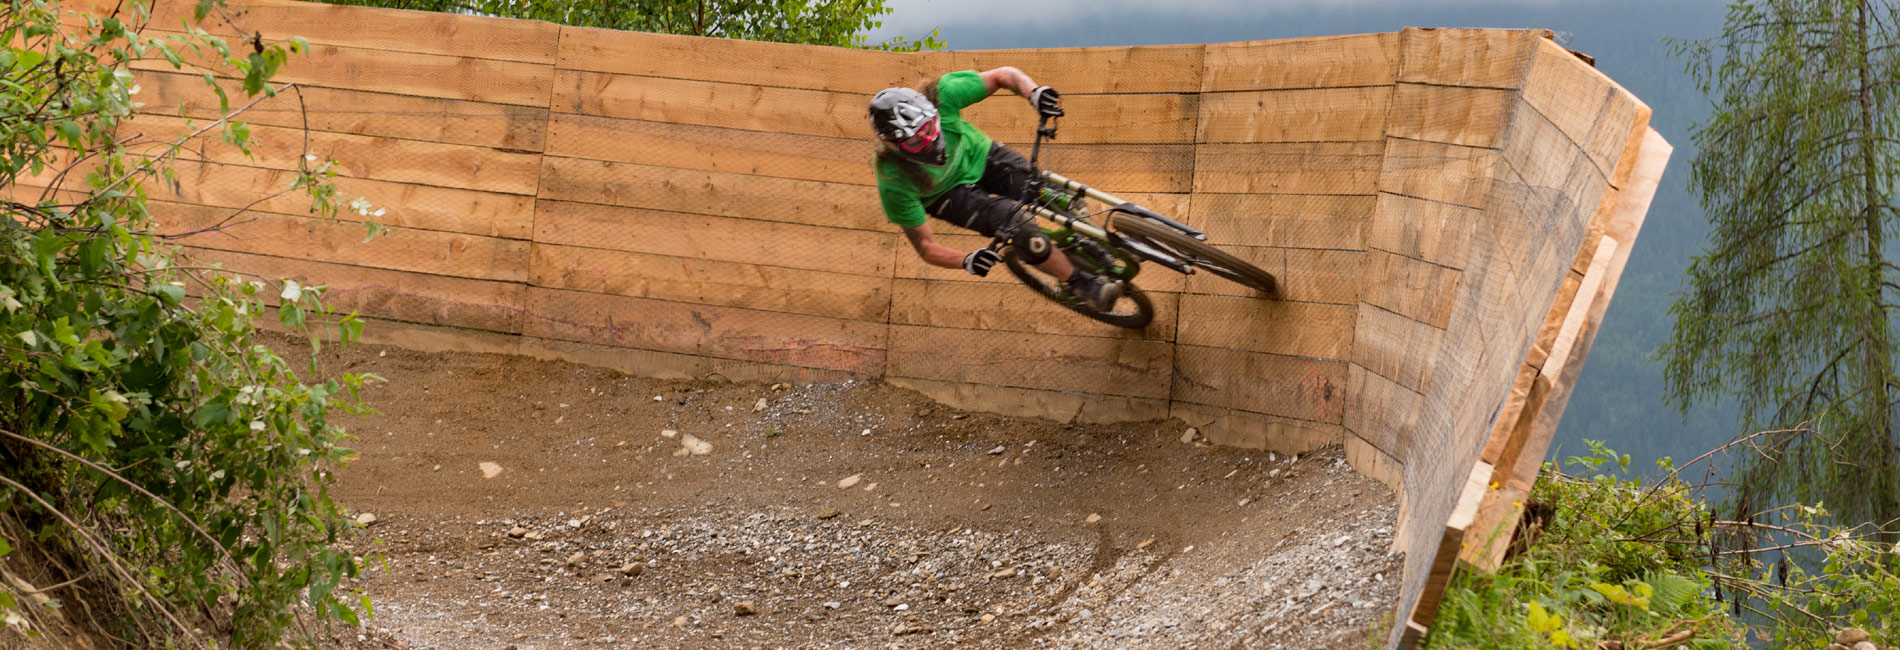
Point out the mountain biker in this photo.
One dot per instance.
(931, 162)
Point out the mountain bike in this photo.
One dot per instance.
(1127, 236)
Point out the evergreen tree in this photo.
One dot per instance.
(1792, 307)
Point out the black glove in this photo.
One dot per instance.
(1046, 100)
(979, 262)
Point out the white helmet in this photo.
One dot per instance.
(907, 119)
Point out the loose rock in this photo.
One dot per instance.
(696, 446)
(632, 569)
(1189, 436)
(744, 608)
(366, 519)
(848, 481)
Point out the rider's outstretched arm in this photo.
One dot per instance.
(1010, 78)
(930, 251)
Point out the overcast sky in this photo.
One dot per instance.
(914, 17)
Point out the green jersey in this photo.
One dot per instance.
(966, 152)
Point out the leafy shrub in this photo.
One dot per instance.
(1603, 571)
(169, 470)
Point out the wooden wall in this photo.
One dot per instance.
(1435, 203)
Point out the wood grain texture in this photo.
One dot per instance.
(721, 194)
(1355, 114)
(333, 110)
(1324, 62)
(1293, 387)
(382, 293)
(1013, 308)
(699, 280)
(427, 32)
(1128, 368)
(306, 238)
(706, 330)
(720, 239)
(1485, 58)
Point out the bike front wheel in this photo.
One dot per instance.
(1133, 311)
(1195, 252)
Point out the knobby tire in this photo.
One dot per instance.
(1142, 314)
(1198, 253)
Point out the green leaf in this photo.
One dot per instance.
(172, 295)
(210, 414)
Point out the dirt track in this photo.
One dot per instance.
(532, 504)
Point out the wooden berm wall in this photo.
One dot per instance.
(1449, 211)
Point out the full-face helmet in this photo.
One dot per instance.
(907, 119)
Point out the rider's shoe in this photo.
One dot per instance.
(1099, 293)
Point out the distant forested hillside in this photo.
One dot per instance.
(1618, 399)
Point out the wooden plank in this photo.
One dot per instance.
(713, 149)
(1285, 220)
(1509, 453)
(1270, 326)
(1384, 413)
(1323, 62)
(1440, 233)
(757, 63)
(670, 365)
(1091, 119)
(1294, 387)
(706, 330)
(1003, 308)
(721, 194)
(1311, 115)
(1061, 406)
(1126, 368)
(1333, 277)
(1494, 529)
(401, 73)
(1438, 573)
(427, 32)
(386, 294)
(1120, 168)
(305, 238)
(1372, 463)
(1440, 172)
(1417, 290)
(1271, 260)
(722, 239)
(706, 103)
(409, 207)
(1553, 321)
(1488, 58)
(1153, 279)
(1395, 347)
(448, 121)
(1592, 110)
(1473, 117)
(1077, 71)
(381, 159)
(711, 282)
(1094, 119)
(1508, 413)
(1232, 428)
(1350, 168)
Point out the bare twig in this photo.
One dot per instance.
(128, 483)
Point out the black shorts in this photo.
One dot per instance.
(986, 205)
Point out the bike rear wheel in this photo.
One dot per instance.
(1198, 253)
(1133, 311)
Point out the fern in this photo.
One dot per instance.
(1672, 592)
